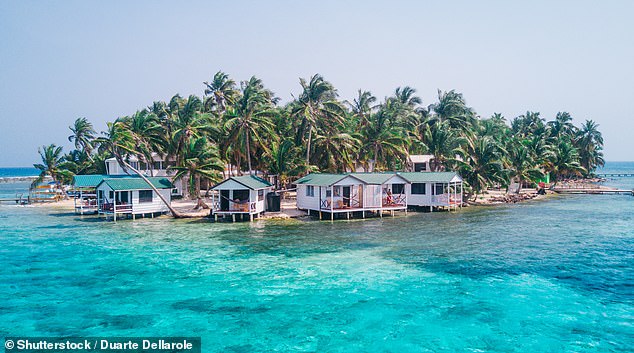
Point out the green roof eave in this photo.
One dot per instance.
(429, 177)
(250, 181)
(321, 179)
(136, 183)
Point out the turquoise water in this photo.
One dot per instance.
(544, 276)
(18, 172)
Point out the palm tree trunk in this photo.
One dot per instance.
(376, 157)
(190, 186)
(310, 136)
(248, 152)
(197, 187)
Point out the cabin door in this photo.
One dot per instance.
(124, 197)
(346, 196)
(224, 200)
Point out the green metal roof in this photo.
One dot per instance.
(374, 178)
(325, 179)
(429, 177)
(320, 179)
(136, 183)
(250, 181)
(88, 181)
(377, 178)
(92, 180)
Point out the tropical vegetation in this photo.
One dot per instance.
(242, 128)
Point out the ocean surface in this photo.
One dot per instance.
(540, 276)
(18, 172)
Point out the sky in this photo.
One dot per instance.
(60, 60)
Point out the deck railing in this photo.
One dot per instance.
(235, 207)
(394, 200)
(120, 208)
(446, 199)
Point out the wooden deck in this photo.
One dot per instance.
(360, 209)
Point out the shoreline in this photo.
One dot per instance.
(490, 198)
(289, 210)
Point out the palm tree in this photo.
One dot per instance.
(362, 106)
(316, 107)
(249, 119)
(589, 141)
(335, 151)
(521, 164)
(495, 126)
(527, 124)
(79, 162)
(147, 134)
(119, 140)
(83, 135)
(442, 143)
(480, 164)
(452, 108)
(221, 91)
(200, 160)
(562, 125)
(189, 120)
(52, 165)
(283, 159)
(406, 96)
(382, 141)
(564, 161)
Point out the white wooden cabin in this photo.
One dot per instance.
(349, 193)
(240, 195)
(157, 168)
(434, 189)
(132, 196)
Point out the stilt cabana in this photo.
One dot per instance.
(240, 196)
(351, 193)
(132, 196)
(434, 189)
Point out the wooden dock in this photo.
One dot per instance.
(615, 175)
(19, 199)
(593, 191)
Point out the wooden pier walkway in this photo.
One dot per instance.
(18, 199)
(613, 175)
(593, 191)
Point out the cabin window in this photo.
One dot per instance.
(439, 189)
(156, 165)
(145, 196)
(260, 195)
(420, 167)
(337, 190)
(398, 188)
(419, 188)
(111, 195)
(328, 193)
(310, 190)
(174, 191)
